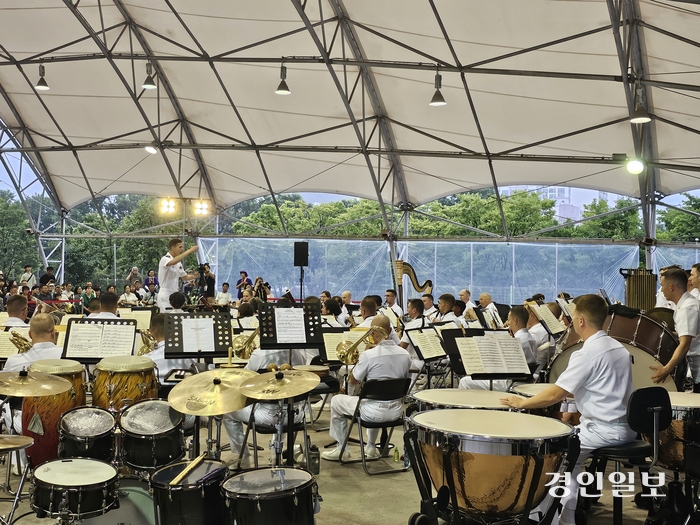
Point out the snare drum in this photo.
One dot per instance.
(122, 380)
(277, 495)
(152, 434)
(87, 432)
(491, 466)
(440, 398)
(319, 370)
(685, 427)
(649, 342)
(40, 415)
(196, 499)
(78, 487)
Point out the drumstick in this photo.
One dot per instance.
(188, 469)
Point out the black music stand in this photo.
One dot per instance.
(104, 322)
(271, 338)
(427, 361)
(174, 335)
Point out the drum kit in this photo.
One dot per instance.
(79, 453)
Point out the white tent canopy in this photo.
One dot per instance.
(538, 92)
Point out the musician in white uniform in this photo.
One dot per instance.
(385, 361)
(446, 303)
(599, 376)
(517, 322)
(686, 317)
(429, 309)
(415, 312)
(368, 310)
(170, 270)
(17, 311)
(390, 297)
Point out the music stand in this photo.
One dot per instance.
(113, 336)
(177, 324)
(416, 336)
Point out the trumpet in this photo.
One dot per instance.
(148, 343)
(244, 345)
(22, 343)
(349, 353)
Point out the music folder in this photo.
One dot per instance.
(427, 343)
(553, 326)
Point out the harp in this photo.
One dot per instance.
(403, 268)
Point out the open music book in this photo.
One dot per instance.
(545, 315)
(142, 318)
(496, 354)
(567, 307)
(97, 340)
(332, 339)
(426, 342)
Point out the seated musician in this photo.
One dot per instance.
(368, 310)
(445, 314)
(458, 309)
(385, 361)
(164, 365)
(93, 308)
(342, 317)
(177, 301)
(487, 304)
(599, 377)
(265, 413)
(465, 296)
(686, 318)
(390, 298)
(429, 309)
(517, 322)
(346, 296)
(246, 316)
(128, 298)
(330, 309)
(415, 312)
(108, 306)
(17, 310)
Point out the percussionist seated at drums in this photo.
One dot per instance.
(387, 360)
(599, 376)
(517, 325)
(264, 412)
(686, 316)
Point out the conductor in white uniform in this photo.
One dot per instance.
(599, 377)
(170, 270)
(387, 360)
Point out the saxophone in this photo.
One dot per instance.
(22, 343)
(349, 353)
(148, 343)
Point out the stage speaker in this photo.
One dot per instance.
(301, 253)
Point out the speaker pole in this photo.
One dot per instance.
(301, 284)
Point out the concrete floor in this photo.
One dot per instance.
(349, 496)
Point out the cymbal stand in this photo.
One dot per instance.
(278, 435)
(18, 497)
(210, 441)
(6, 486)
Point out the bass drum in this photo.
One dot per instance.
(195, 500)
(649, 342)
(492, 465)
(283, 496)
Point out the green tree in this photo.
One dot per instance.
(16, 247)
(680, 226)
(625, 225)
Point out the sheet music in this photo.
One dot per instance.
(6, 347)
(60, 339)
(198, 335)
(117, 339)
(289, 323)
(123, 311)
(490, 320)
(3, 316)
(331, 341)
(547, 317)
(391, 315)
(427, 342)
(85, 341)
(492, 355)
(142, 318)
(67, 317)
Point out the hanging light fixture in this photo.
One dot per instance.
(149, 83)
(283, 88)
(635, 166)
(167, 205)
(41, 85)
(438, 99)
(201, 208)
(640, 115)
(152, 148)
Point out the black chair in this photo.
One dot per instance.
(648, 413)
(377, 390)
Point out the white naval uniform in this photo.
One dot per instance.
(449, 316)
(385, 361)
(662, 302)
(397, 310)
(168, 277)
(540, 334)
(15, 322)
(599, 376)
(502, 385)
(265, 413)
(430, 312)
(367, 323)
(686, 317)
(418, 322)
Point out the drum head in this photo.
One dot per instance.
(126, 363)
(74, 472)
(150, 418)
(266, 481)
(641, 375)
(165, 475)
(684, 400)
(87, 422)
(493, 425)
(56, 366)
(462, 398)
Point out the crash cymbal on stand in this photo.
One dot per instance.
(210, 393)
(14, 442)
(32, 384)
(278, 385)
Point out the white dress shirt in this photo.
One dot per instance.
(38, 351)
(169, 279)
(15, 322)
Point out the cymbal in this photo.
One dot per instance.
(210, 393)
(32, 384)
(14, 442)
(267, 387)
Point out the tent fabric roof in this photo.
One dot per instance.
(535, 89)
